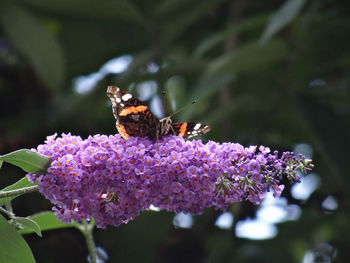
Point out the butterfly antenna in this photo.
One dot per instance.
(164, 104)
(183, 108)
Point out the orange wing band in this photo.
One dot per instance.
(183, 129)
(133, 110)
(122, 131)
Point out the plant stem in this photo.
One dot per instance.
(8, 213)
(20, 191)
(87, 228)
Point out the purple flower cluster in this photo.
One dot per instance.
(113, 179)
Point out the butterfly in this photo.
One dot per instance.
(136, 119)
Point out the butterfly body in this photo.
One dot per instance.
(135, 119)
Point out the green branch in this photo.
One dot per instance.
(87, 228)
(25, 190)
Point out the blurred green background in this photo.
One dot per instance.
(269, 72)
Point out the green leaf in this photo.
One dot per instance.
(247, 59)
(288, 11)
(166, 8)
(29, 224)
(13, 248)
(29, 161)
(173, 28)
(212, 41)
(46, 221)
(35, 42)
(23, 182)
(19, 184)
(103, 9)
(219, 38)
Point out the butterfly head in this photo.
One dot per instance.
(165, 126)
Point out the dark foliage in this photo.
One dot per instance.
(264, 72)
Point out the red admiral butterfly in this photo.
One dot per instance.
(135, 119)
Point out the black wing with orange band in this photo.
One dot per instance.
(189, 129)
(133, 118)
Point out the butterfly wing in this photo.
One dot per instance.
(133, 118)
(188, 129)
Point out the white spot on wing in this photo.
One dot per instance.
(118, 100)
(126, 97)
(197, 126)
